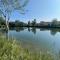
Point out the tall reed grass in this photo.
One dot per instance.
(12, 50)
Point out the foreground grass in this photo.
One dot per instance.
(12, 50)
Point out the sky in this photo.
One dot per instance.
(41, 10)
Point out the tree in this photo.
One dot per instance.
(2, 21)
(54, 22)
(11, 24)
(34, 22)
(19, 23)
(28, 23)
(9, 6)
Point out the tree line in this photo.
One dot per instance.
(18, 23)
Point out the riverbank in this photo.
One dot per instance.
(12, 50)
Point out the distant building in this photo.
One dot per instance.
(42, 23)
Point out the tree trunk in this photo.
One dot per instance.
(7, 28)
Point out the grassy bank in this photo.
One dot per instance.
(12, 50)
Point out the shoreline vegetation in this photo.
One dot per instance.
(13, 50)
(42, 24)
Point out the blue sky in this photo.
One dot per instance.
(41, 10)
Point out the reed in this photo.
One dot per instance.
(12, 50)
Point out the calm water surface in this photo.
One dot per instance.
(38, 39)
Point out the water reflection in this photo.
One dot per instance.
(53, 31)
(29, 29)
(42, 41)
(33, 30)
(18, 29)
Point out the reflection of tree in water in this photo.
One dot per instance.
(53, 32)
(4, 33)
(7, 35)
(18, 29)
(43, 29)
(33, 30)
(29, 29)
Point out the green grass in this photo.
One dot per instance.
(12, 50)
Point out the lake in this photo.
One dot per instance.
(38, 39)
